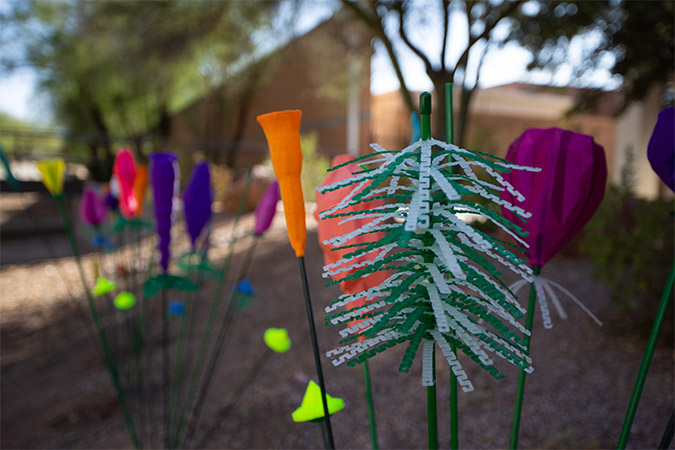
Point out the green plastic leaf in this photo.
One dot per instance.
(277, 339)
(124, 300)
(312, 405)
(103, 286)
(167, 281)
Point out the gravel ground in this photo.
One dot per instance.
(56, 393)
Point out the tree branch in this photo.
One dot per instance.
(446, 25)
(404, 36)
(463, 60)
(374, 22)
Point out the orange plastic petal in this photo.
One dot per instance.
(140, 185)
(282, 130)
(329, 228)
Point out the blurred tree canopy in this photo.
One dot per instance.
(632, 39)
(125, 67)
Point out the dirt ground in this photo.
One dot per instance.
(56, 392)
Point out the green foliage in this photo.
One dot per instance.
(633, 39)
(23, 137)
(125, 67)
(314, 165)
(631, 242)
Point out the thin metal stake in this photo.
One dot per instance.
(315, 347)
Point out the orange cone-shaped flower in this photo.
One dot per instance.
(282, 130)
(140, 185)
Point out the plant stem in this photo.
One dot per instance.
(178, 364)
(315, 348)
(238, 393)
(97, 323)
(371, 405)
(646, 360)
(529, 320)
(203, 346)
(454, 409)
(165, 368)
(432, 418)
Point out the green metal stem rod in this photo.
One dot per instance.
(315, 349)
(432, 415)
(646, 360)
(370, 404)
(529, 320)
(425, 116)
(449, 115)
(110, 362)
(206, 336)
(454, 409)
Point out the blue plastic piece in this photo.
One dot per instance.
(177, 308)
(244, 287)
(100, 241)
(416, 127)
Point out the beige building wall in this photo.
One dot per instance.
(314, 73)
(499, 115)
(634, 128)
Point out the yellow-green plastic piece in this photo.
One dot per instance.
(277, 339)
(312, 404)
(103, 286)
(124, 300)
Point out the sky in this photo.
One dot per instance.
(501, 66)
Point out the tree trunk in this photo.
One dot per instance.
(245, 102)
(439, 80)
(463, 122)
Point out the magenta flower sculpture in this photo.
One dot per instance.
(562, 198)
(92, 208)
(197, 200)
(93, 211)
(163, 169)
(124, 170)
(267, 208)
(564, 195)
(661, 148)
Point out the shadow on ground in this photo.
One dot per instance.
(56, 392)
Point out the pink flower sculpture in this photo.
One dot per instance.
(124, 170)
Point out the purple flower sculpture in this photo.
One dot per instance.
(267, 208)
(661, 148)
(111, 201)
(164, 171)
(197, 200)
(92, 208)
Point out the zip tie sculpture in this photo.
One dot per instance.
(441, 283)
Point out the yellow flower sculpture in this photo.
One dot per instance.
(52, 172)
